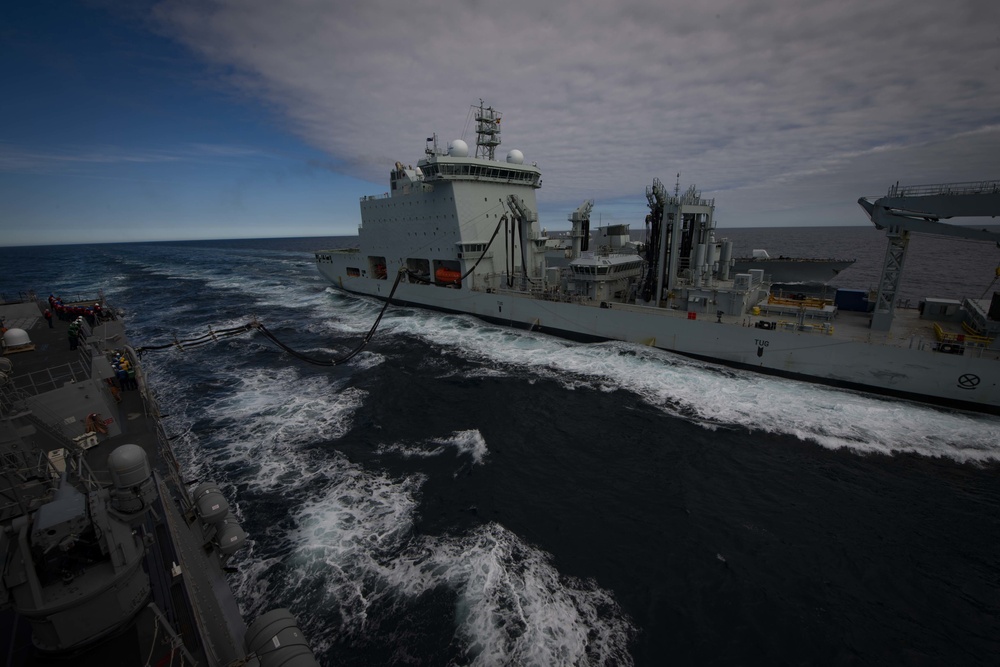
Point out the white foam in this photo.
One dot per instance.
(352, 551)
(469, 442)
(341, 539)
(409, 451)
(513, 606)
(715, 396)
(261, 424)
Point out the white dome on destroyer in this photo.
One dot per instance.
(515, 157)
(15, 337)
(458, 148)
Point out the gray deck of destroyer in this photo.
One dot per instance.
(51, 364)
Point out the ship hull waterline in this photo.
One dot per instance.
(898, 372)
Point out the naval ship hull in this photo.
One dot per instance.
(872, 362)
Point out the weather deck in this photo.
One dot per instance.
(191, 595)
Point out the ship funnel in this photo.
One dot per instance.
(132, 478)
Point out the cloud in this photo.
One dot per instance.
(737, 96)
(14, 158)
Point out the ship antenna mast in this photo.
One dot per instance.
(432, 150)
(487, 131)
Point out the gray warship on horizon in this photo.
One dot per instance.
(460, 234)
(783, 269)
(107, 555)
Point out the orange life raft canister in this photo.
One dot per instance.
(444, 275)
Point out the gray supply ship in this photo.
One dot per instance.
(107, 556)
(460, 234)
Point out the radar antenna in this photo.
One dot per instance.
(487, 131)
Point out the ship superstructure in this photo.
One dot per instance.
(439, 217)
(463, 235)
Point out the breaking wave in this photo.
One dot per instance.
(715, 396)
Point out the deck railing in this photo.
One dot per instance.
(960, 339)
(47, 379)
(970, 188)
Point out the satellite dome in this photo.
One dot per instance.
(515, 157)
(129, 466)
(458, 148)
(16, 337)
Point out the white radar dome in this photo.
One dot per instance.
(458, 148)
(16, 337)
(515, 157)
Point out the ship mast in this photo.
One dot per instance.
(487, 131)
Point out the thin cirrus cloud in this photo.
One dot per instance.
(25, 160)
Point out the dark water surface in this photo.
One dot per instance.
(465, 494)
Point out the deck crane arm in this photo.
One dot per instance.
(919, 209)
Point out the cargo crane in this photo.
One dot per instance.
(920, 209)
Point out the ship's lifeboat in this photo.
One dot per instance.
(447, 276)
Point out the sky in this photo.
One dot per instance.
(185, 119)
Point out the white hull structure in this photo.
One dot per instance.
(464, 234)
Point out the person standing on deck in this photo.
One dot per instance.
(73, 335)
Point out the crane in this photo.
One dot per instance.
(920, 209)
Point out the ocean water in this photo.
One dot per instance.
(464, 494)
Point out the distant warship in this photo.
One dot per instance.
(791, 269)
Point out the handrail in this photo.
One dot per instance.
(967, 188)
(972, 334)
(50, 378)
(960, 339)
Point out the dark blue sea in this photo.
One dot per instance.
(464, 494)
